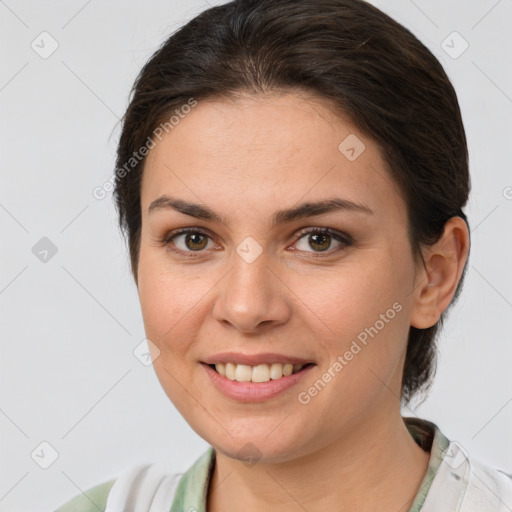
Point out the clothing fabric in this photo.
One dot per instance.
(453, 482)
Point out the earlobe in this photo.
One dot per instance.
(437, 281)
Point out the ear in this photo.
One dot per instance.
(437, 278)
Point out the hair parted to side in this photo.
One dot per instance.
(367, 65)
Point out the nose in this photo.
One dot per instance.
(252, 297)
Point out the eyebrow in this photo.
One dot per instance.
(304, 210)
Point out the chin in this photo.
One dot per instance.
(254, 445)
(251, 453)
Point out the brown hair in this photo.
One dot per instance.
(372, 68)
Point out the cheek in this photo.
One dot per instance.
(353, 296)
(167, 300)
(360, 316)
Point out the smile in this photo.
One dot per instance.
(287, 376)
(257, 373)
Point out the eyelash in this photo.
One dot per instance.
(344, 239)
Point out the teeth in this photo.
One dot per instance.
(243, 373)
(221, 368)
(276, 371)
(258, 373)
(230, 371)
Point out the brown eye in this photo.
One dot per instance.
(195, 241)
(187, 241)
(321, 240)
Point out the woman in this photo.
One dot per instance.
(291, 178)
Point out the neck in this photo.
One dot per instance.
(377, 466)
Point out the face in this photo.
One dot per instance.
(247, 281)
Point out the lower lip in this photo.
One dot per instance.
(254, 391)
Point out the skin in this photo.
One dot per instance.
(245, 158)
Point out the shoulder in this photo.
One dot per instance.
(153, 486)
(150, 483)
(468, 485)
(92, 500)
(488, 485)
(462, 482)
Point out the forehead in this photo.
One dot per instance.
(268, 147)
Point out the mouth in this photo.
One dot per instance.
(258, 373)
(265, 381)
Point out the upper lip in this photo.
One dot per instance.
(254, 359)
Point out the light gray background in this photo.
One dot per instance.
(69, 325)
